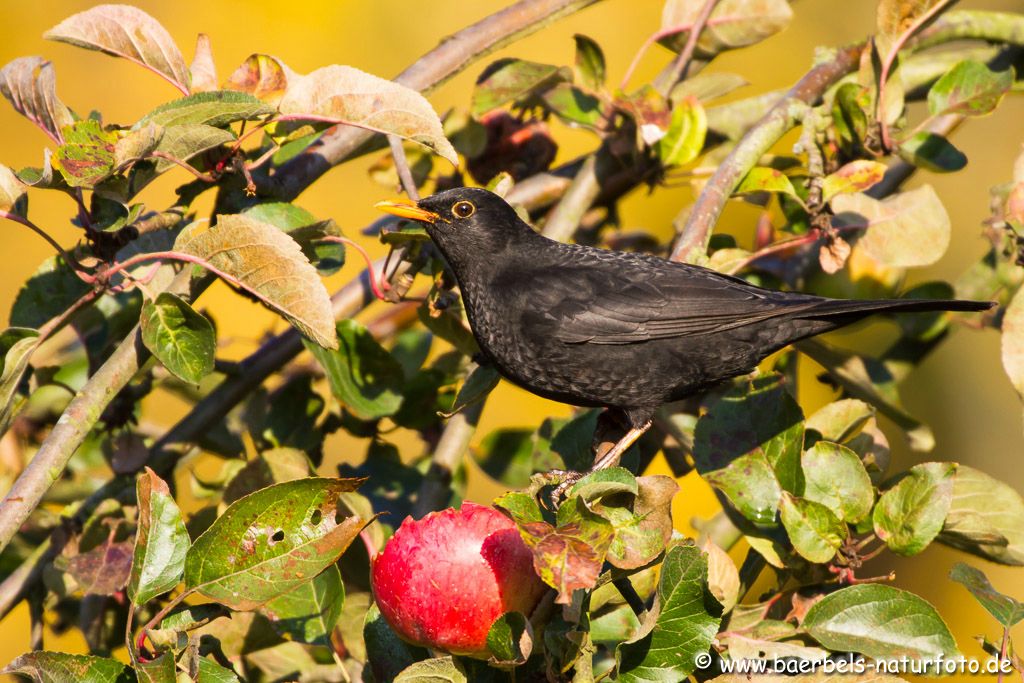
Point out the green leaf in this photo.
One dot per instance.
(733, 23)
(521, 507)
(509, 80)
(59, 667)
(16, 347)
(606, 482)
(343, 94)
(128, 32)
(363, 376)
(137, 144)
(159, 670)
(815, 531)
(855, 176)
(1004, 608)
(161, 541)
(477, 386)
(764, 179)
(905, 230)
(574, 106)
(835, 477)
(510, 640)
(642, 533)
(268, 264)
(672, 636)
(309, 612)
(180, 338)
(933, 153)
(30, 85)
(211, 672)
(839, 421)
(986, 517)
(216, 109)
(707, 86)
(569, 557)
(271, 541)
(910, 514)
(749, 443)
(436, 670)
(304, 228)
(185, 142)
(849, 114)
(969, 88)
(589, 62)
(87, 156)
(387, 655)
(881, 622)
(684, 138)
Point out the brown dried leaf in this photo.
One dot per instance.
(125, 31)
(269, 264)
(262, 76)
(203, 70)
(29, 84)
(833, 255)
(896, 16)
(343, 94)
(104, 569)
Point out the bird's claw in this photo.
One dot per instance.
(562, 480)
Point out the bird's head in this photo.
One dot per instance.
(467, 223)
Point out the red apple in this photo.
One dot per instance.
(441, 581)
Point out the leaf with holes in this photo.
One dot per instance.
(87, 156)
(855, 176)
(59, 667)
(970, 89)
(128, 32)
(881, 622)
(271, 541)
(1004, 608)
(182, 339)
(363, 376)
(309, 612)
(835, 477)
(263, 76)
(905, 230)
(30, 85)
(569, 557)
(910, 514)
(268, 264)
(814, 530)
(217, 109)
(342, 94)
(733, 23)
(986, 518)
(160, 543)
(672, 636)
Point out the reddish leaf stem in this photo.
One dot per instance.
(678, 71)
(376, 284)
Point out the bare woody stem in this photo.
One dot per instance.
(402, 167)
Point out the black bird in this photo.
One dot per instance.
(626, 331)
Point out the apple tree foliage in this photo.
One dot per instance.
(221, 549)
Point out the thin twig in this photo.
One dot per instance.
(678, 70)
(577, 200)
(402, 167)
(42, 233)
(205, 177)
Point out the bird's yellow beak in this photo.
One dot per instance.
(403, 208)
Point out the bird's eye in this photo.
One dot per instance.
(463, 209)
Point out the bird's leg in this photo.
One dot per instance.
(608, 459)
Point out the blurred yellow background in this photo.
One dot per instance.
(960, 390)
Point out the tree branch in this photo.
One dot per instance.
(430, 71)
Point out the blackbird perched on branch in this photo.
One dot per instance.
(623, 331)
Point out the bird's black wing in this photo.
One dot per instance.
(629, 302)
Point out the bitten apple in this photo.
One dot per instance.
(441, 581)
